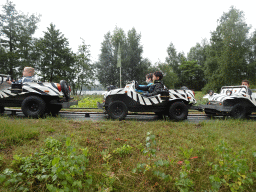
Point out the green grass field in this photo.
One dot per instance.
(56, 154)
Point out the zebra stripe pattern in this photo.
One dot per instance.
(39, 88)
(156, 99)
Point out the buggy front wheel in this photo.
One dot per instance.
(33, 106)
(117, 110)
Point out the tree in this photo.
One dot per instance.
(191, 75)
(107, 72)
(174, 60)
(57, 59)
(198, 54)
(16, 31)
(251, 57)
(170, 78)
(226, 57)
(134, 67)
(84, 69)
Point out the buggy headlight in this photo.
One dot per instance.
(228, 92)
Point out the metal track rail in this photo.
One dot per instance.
(87, 114)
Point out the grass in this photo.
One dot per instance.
(137, 156)
(199, 98)
(88, 101)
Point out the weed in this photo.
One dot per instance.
(55, 167)
(123, 151)
(183, 182)
(230, 170)
(152, 165)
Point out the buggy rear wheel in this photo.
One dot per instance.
(238, 111)
(178, 111)
(117, 110)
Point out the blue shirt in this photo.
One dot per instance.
(25, 79)
(140, 91)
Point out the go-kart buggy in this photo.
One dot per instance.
(234, 101)
(35, 98)
(174, 103)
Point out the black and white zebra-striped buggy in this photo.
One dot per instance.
(46, 89)
(35, 98)
(236, 101)
(129, 100)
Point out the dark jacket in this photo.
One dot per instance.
(154, 89)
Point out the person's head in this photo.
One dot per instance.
(149, 77)
(28, 71)
(246, 83)
(157, 75)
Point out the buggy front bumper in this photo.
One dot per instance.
(216, 108)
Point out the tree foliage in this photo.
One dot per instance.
(84, 69)
(133, 66)
(16, 30)
(56, 58)
(107, 72)
(226, 62)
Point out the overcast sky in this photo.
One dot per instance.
(160, 22)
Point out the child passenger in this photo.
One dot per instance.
(156, 88)
(247, 84)
(28, 74)
(149, 80)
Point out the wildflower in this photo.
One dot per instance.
(194, 157)
(180, 162)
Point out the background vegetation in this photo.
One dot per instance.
(226, 58)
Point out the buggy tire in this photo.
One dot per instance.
(1, 110)
(117, 110)
(238, 111)
(33, 106)
(178, 111)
